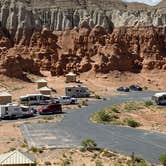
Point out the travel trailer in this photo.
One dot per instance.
(77, 91)
(13, 110)
(160, 98)
(37, 99)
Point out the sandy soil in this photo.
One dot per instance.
(98, 84)
(11, 139)
(77, 158)
(152, 118)
(11, 136)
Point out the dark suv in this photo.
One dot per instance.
(135, 88)
(50, 109)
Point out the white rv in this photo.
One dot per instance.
(77, 91)
(160, 98)
(36, 99)
(13, 110)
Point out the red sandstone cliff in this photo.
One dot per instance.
(84, 49)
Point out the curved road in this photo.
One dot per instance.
(76, 126)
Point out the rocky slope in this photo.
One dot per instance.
(80, 35)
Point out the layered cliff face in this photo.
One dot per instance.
(81, 36)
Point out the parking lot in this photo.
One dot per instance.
(76, 126)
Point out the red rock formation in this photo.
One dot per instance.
(85, 49)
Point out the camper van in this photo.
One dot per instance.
(37, 99)
(160, 98)
(77, 91)
(13, 110)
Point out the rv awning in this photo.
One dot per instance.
(16, 158)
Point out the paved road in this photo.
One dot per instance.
(76, 126)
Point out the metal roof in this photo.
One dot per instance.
(41, 81)
(5, 94)
(71, 74)
(160, 94)
(16, 157)
(45, 89)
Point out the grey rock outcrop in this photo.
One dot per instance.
(25, 16)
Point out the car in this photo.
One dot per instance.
(66, 100)
(52, 108)
(123, 89)
(135, 88)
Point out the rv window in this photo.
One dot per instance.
(33, 98)
(24, 99)
(69, 90)
(46, 98)
(77, 90)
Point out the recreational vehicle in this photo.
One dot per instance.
(77, 91)
(37, 99)
(13, 110)
(160, 98)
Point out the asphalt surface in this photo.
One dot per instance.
(76, 126)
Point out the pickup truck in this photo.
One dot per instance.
(66, 100)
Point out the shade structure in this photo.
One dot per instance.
(16, 158)
(45, 91)
(71, 77)
(5, 98)
(41, 83)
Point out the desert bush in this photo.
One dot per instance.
(84, 103)
(65, 162)
(97, 97)
(88, 144)
(48, 118)
(148, 103)
(103, 116)
(98, 163)
(115, 109)
(132, 123)
(36, 150)
(163, 159)
(132, 106)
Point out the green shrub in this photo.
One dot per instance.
(98, 163)
(65, 162)
(88, 144)
(132, 123)
(140, 161)
(163, 159)
(132, 106)
(12, 149)
(115, 109)
(36, 150)
(97, 97)
(145, 88)
(84, 103)
(148, 103)
(103, 116)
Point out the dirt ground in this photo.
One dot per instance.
(149, 117)
(97, 84)
(74, 157)
(11, 137)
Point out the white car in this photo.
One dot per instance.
(66, 100)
